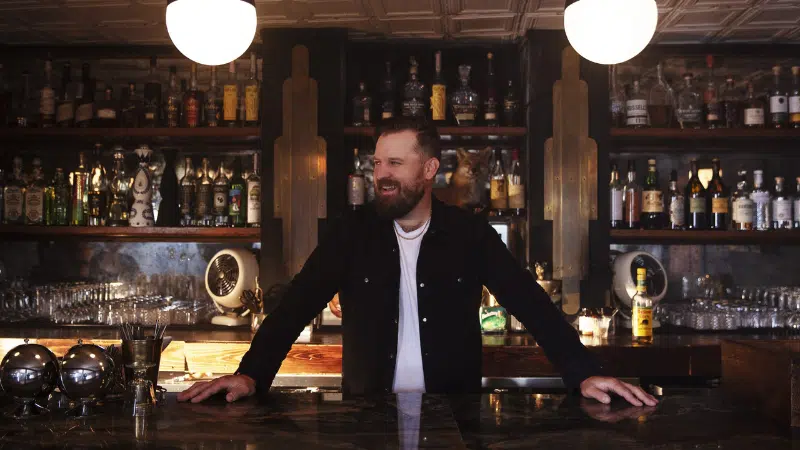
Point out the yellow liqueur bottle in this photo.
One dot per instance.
(438, 93)
(642, 318)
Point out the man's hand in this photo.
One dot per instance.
(238, 386)
(598, 388)
(604, 413)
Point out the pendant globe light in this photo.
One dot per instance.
(211, 32)
(610, 31)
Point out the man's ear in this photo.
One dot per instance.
(431, 167)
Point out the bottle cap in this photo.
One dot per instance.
(641, 273)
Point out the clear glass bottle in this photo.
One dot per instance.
(690, 104)
(119, 188)
(731, 104)
(762, 201)
(237, 199)
(151, 107)
(632, 199)
(718, 199)
(781, 207)
(464, 100)
(661, 101)
(498, 193)
(21, 115)
(213, 101)
(516, 186)
(84, 99)
(413, 93)
(387, 93)
(438, 92)
(65, 104)
(778, 102)
(230, 98)
(711, 101)
(652, 217)
(642, 317)
(107, 111)
(79, 195)
(616, 100)
(131, 110)
(510, 106)
(677, 204)
(98, 191)
(490, 117)
(221, 187)
(744, 209)
(362, 107)
(753, 109)
(186, 195)
(794, 99)
(356, 184)
(254, 195)
(636, 108)
(61, 200)
(34, 195)
(797, 203)
(204, 206)
(252, 95)
(172, 104)
(47, 98)
(615, 202)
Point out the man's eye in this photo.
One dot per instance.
(395, 163)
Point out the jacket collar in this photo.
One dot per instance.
(438, 218)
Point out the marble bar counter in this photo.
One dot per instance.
(700, 419)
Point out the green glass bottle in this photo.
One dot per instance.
(237, 206)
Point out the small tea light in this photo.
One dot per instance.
(586, 323)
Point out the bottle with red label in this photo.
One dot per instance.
(192, 102)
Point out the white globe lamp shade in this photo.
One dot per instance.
(610, 31)
(211, 32)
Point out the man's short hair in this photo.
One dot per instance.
(427, 135)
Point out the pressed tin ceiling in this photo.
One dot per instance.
(142, 21)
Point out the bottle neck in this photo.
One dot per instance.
(641, 286)
(631, 176)
(673, 185)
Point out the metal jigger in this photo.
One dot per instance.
(141, 355)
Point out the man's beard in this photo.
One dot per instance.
(401, 203)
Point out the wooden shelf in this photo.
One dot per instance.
(737, 140)
(694, 237)
(720, 133)
(452, 131)
(227, 135)
(130, 234)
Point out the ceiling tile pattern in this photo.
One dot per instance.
(142, 21)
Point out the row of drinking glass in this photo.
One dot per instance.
(728, 315)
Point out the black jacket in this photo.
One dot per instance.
(459, 254)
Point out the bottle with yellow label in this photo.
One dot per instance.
(252, 97)
(642, 318)
(438, 93)
(230, 99)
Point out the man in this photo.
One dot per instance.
(410, 274)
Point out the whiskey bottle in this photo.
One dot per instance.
(84, 99)
(356, 184)
(230, 98)
(120, 189)
(744, 209)
(413, 93)
(213, 101)
(711, 99)
(34, 196)
(438, 92)
(187, 194)
(254, 195)
(753, 109)
(172, 104)
(131, 109)
(387, 93)
(79, 180)
(98, 191)
(252, 96)
(510, 106)
(47, 99)
(652, 217)
(797, 204)
(516, 186)
(615, 202)
(13, 196)
(677, 204)
(781, 207)
(718, 198)
(498, 193)
(661, 102)
(690, 105)
(59, 206)
(762, 202)
(362, 107)
(237, 200)
(778, 102)
(151, 107)
(464, 100)
(65, 106)
(221, 188)
(642, 317)
(731, 104)
(636, 108)
(205, 197)
(794, 99)
(191, 102)
(490, 105)
(632, 199)
(106, 115)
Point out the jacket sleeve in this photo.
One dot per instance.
(515, 289)
(308, 293)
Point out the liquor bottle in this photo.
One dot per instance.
(47, 99)
(744, 209)
(493, 316)
(79, 198)
(490, 105)
(143, 206)
(762, 201)
(205, 197)
(794, 99)
(356, 184)
(213, 101)
(516, 187)
(616, 204)
(696, 218)
(753, 109)
(387, 93)
(718, 199)
(254, 195)
(498, 187)
(616, 100)
(5, 106)
(781, 207)
(797, 204)
(65, 106)
(84, 99)
(60, 199)
(677, 204)
(778, 102)
(172, 104)
(131, 109)
(652, 217)
(187, 194)
(34, 196)
(710, 98)
(510, 106)
(106, 114)
(731, 104)
(690, 104)
(21, 115)
(438, 93)
(119, 189)
(636, 108)
(464, 100)
(98, 191)
(413, 93)
(252, 96)
(237, 198)
(661, 102)
(151, 116)
(191, 102)
(362, 106)
(642, 317)
(221, 188)
(632, 199)
(13, 196)
(167, 205)
(230, 98)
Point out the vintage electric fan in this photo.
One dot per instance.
(230, 275)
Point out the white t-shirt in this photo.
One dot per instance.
(408, 374)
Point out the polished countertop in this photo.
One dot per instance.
(687, 419)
